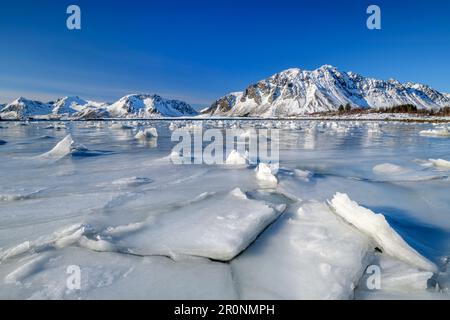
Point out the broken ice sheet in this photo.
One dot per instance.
(307, 254)
(217, 227)
(107, 275)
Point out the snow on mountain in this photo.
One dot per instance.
(296, 92)
(143, 106)
(69, 105)
(23, 108)
(139, 106)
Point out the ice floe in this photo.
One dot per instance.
(68, 146)
(438, 132)
(131, 182)
(303, 174)
(307, 254)
(376, 226)
(218, 228)
(120, 126)
(62, 149)
(106, 275)
(8, 197)
(389, 168)
(439, 163)
(265, 173)
(149, 133)
(236, 159)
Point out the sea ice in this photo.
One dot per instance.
(131, 182)
(106, 275)
(62, 149)
(438, 132)
(389, 168)
(265, 175)
(307, 254)
(440, 163)
(303, 174)
(217, 227)
(376, 226)
(236, 159)
(148, 133)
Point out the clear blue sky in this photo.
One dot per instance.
(199, 50)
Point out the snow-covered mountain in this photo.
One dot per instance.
(69, 105)
(22, 108)
(147, 106)
(296, 92)
(131, 106)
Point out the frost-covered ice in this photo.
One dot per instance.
(95, 195)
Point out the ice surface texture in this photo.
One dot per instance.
(140, 227)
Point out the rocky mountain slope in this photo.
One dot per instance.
(297, 92)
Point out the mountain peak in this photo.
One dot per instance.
(294, 92)
(327, 67)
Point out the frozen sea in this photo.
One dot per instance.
(356, 210)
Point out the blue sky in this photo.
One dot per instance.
(199, 50)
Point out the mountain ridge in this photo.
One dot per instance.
(289, 93)
(130, 106)
(295, 92)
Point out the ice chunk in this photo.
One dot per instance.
(62, 149)
(19, 197)
(440, 163)
(438, 132)
(62, 238)
(106, 275)
(236, 159)
(27, 269)
(18, 250)
(148, 133)
(99, 245)
(389, 168)
(303, 174)
(265, 176)
(131, 182)
(119, 126)
(120, 231)
(307, 254)
(217, 227)
(397, 280)
(376, 226)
